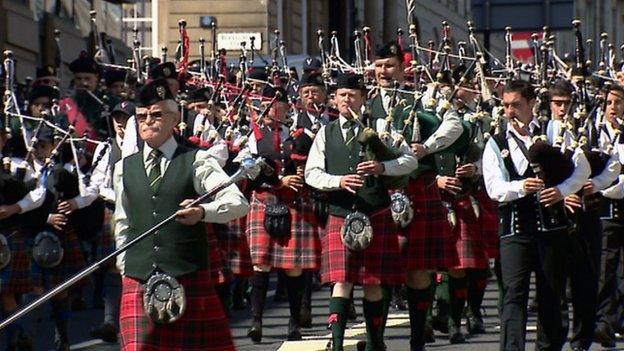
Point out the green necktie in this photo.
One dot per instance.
(350, 138)
(153, 174)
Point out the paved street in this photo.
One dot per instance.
(276, 321)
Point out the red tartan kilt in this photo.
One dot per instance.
(301, 250)
(489, 223)
(234, 247)
(202, 327)
(471, 246)
(73, 261)
(16, 277)
(430, 240)
(218, 273)
(378, 264)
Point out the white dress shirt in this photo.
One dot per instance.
(35, 197)
(317, 177)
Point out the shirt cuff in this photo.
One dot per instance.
(212, 210)
(518, 187)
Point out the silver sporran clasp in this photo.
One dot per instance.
(164, 300)
(401, 208)
(357, 231)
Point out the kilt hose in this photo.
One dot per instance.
(489, 223)
(218, 273)
(234, 246)
(300, 250)
(377, 264)
(202, 327)
(73, 261)
(430, 242)
(16, 277)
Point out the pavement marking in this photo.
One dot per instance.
(319, 342)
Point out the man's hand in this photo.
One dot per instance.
(370, 168)
(351, 182)
(532, 185)
(550, 196)
(295, 182)
(191, 215)
(450, 184)
(420, 150)
(7, 211)
(572, 202)
(67, 207)
(588, 188)
(466, 171)
(57, 220)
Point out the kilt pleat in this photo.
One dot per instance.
(234, 247)
(218, 272)
(429, 242)
(202, 327)
(16, 277)
(73, 261)
(377, 264)
(471, 246)
(300, 250)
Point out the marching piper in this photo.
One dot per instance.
(169, 175)
(585, 242)
(612, 218)
(533, 227)
(281, 228)
(15, 206)
(358, 208)
(429, 243)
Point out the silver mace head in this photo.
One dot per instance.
(251, 167)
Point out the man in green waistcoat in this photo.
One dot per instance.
(337, 165)
(150, 185)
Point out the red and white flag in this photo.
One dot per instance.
(521, 46)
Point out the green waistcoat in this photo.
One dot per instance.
(340, 161)
(176, 249)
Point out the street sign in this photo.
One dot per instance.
(522, 15)
(232, 41)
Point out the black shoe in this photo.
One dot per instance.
(475, 325)
(352, 313)
(361, 346)
(604, 337)
(305, 320)
(107, 332)
(294, 331)
(417, 348)
(399, 304)
(429, 337)
(440, 323)
(255, 332)
(578, 348)
(329, 346)
(455, 334)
